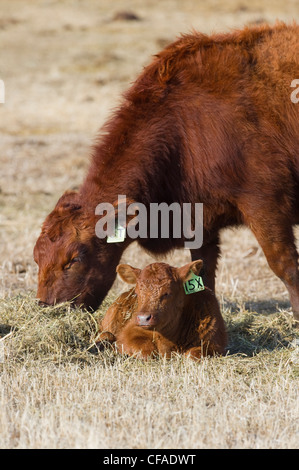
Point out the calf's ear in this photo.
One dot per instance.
(127, 273)
(193, 267)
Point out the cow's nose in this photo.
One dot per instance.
(144, 319)
(41, 303)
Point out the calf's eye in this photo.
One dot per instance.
(165, 295)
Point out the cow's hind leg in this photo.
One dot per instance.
(275, 236)
(205, 350)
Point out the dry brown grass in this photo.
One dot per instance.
(64, 67)
(57, 391)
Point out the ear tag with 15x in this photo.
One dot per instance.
(194, 284)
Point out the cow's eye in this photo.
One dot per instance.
(70, 264)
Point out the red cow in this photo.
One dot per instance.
(157, 316)
(210, 120)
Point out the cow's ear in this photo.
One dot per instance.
(69, 201)
(127, 273)
(193, 267)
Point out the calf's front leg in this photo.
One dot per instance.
(136, 342)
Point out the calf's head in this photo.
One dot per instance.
(160, 292)
(74, 264)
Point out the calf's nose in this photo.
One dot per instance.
(144, 319)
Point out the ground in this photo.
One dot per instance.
(65, 65)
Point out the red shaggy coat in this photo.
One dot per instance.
(209, 120)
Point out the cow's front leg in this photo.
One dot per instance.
(209, 253)
(103, 339)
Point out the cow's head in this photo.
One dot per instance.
(160, 293)
(74, 264)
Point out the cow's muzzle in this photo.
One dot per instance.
(41, 303)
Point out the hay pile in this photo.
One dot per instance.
(62, 334)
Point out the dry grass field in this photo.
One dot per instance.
(64, 65)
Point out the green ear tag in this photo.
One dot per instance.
(194, 284)
(119, 235)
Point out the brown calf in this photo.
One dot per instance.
(210, 120)
(157, 316)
